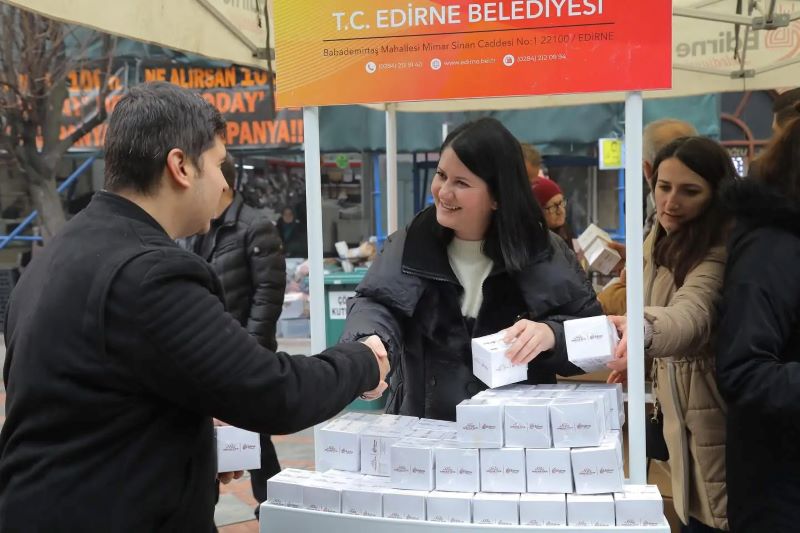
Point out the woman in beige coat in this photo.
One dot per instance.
(684, 262)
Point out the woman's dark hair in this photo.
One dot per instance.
(517, 231)
(683, 249)
(779, 165)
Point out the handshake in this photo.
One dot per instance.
(375, 344)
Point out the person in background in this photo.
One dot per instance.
(684, 260)
(758, 346)
(245, 251)
(533, 163)
(554, 205)
(784, 109)
(120, 352)
(655, 136)
(292, 234)
(479, 261)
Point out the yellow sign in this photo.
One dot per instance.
(611, 154)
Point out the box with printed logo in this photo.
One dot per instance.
(591, 342)
(376, 443)
(548, 471)
(413, 464)
(598, 469)
(362, 500)
(500, 509)
(404, 504)
(480, 423)
(542, 510)
(502, 470)
(526, 423)
(338, 444)
(490, 364)
(577, 422)
(449, 507)
(320, 494)
(457, 468)
(590, 510)
(639, 505)
(616, 402)
(237, 449)
(286, 487)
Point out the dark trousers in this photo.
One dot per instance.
(698, 527)
(269, 467)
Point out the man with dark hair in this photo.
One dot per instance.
(783, 108)
(119, 351)
(244, 249)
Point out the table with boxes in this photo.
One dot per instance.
(537, 457)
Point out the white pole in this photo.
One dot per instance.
(314, 222)
(391, 169)
(635, 291)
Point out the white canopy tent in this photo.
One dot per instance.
(704, 40)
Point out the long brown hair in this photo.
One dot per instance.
(683, 249)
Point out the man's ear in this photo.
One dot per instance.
(178, 168)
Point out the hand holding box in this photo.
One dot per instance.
(591, 342)
(490, 364)
(237, 449)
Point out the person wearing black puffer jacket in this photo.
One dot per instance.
(479, 261)
(758, 352)
(245, 251)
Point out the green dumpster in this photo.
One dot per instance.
(339, 286)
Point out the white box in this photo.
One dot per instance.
(404, 504)
(432, 423)
(639, 505)
(500, 509)
(548, 471)
(606, 403)
(601, 257)
(490, 364)
(376, 443)
(286, 487)
(591, 342)
(237, 449)
(413, 465)
(577, 422)
(526, 423)
(616, 400)
(338, 444)
(398, 421)
(480, 423)
(457, 468)
(502, 470)
(449, 507)
(590, 511)
(542, 510)
(362, 501)
(590, 234)
(322, 495)
(293, 305)
(598, 470)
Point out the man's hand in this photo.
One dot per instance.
(377, 347)
(227, 477)
(529, 340)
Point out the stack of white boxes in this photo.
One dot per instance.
(537, 455)
(594, 243)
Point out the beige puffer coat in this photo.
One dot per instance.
(683, 321)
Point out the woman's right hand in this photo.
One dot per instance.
(620, 362)
(376, 345)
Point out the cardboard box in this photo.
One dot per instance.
(500, 509)
(639, 505)
(237, 449)
(601, 257)
(577, 422)
(526, 423)
(590, 235)
(413, 465)
(457, 468)
(490, 364)
(502, 469)
(480, 423)
(543, 510)
(338, 444)
(615, 400)
(591, 342)
(404, 504)
(598, 469)
(548, 471)
(362, 501)
(590, 511)
(449, 507)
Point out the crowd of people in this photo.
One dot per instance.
(124, 348)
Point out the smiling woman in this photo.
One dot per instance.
(480, 260)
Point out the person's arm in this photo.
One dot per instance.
(268, 278)
(758, 322)
(686, 322)
(366, 317)
(202, 359)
